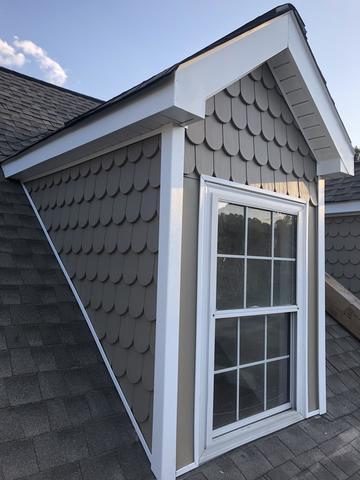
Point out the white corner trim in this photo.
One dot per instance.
(321, 297)
(338, 208)
(163, 462)
(91, 328)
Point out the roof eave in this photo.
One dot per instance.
(180, 98)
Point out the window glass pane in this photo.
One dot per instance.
(278, 335)
(231, 228)
(252, 339)
(284, 282)
(258, 285)
(284, 235)
(230, 283)
(259, 232)
(277, 383)
(251, 391)
(224, 399)
(225, 343)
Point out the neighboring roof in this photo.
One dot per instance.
(344, 189)
(30, 109)
(326, 447)
(60, 414)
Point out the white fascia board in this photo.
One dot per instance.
(214, 70)
(158, 101)
(324, 103)
(339, 208)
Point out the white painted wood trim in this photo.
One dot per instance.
(186, 469)
(321, 297)
(91, 328)
(182, 96)
(163, 461)
(338, 208)
(210, 188)
(98, 153)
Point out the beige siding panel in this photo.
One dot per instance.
(272, 156)
(103, 220)
(185, 420)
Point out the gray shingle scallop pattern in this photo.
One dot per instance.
(251, 137)
(103, 219)
(342, 242)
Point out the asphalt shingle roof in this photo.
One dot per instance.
(60, 415)
(344, 189)
(30, 109)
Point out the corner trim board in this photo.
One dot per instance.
(321, 296)
(163, 462)
(91, 328)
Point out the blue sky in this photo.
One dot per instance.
(104, 47)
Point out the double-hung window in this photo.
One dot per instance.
(252, 301)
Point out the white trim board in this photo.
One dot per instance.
(163, 461)
(91, 328)
(338, 208)
(321, 296)
(181, 98)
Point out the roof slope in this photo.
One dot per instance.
(326, 447)
(344, 189)
(30, 109)
(60, 415)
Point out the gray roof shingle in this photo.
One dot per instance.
(344, 189)
(30, 109)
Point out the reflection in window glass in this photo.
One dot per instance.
(284, 282)
(284, 235)
(252, 339)
(259, 232)
(231, 229)
(225, 387)
(277, 383)
(251, 391)
(225, 343)
(258, 285)
(230, 283)
(278, 335)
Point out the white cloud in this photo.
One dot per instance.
(20, 51)
(53, 70)
(9, 56)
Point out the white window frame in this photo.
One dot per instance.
(212, 190)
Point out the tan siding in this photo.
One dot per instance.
(102, 216)
(343, 250)
(248, 136)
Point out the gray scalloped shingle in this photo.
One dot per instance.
(103, 218)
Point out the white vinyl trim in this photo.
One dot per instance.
(91, 328)
(182, 96)
(212, 189)
(338, 208)
(163, 461)
(321, 296)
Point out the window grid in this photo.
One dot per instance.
(239, 367)
(218, 317)
(272, 258)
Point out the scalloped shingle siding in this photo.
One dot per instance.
(102, 216)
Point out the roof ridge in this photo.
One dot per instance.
(48, 84)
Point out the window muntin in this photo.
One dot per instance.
(259, 379)
(264, 273)
(252, 378)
